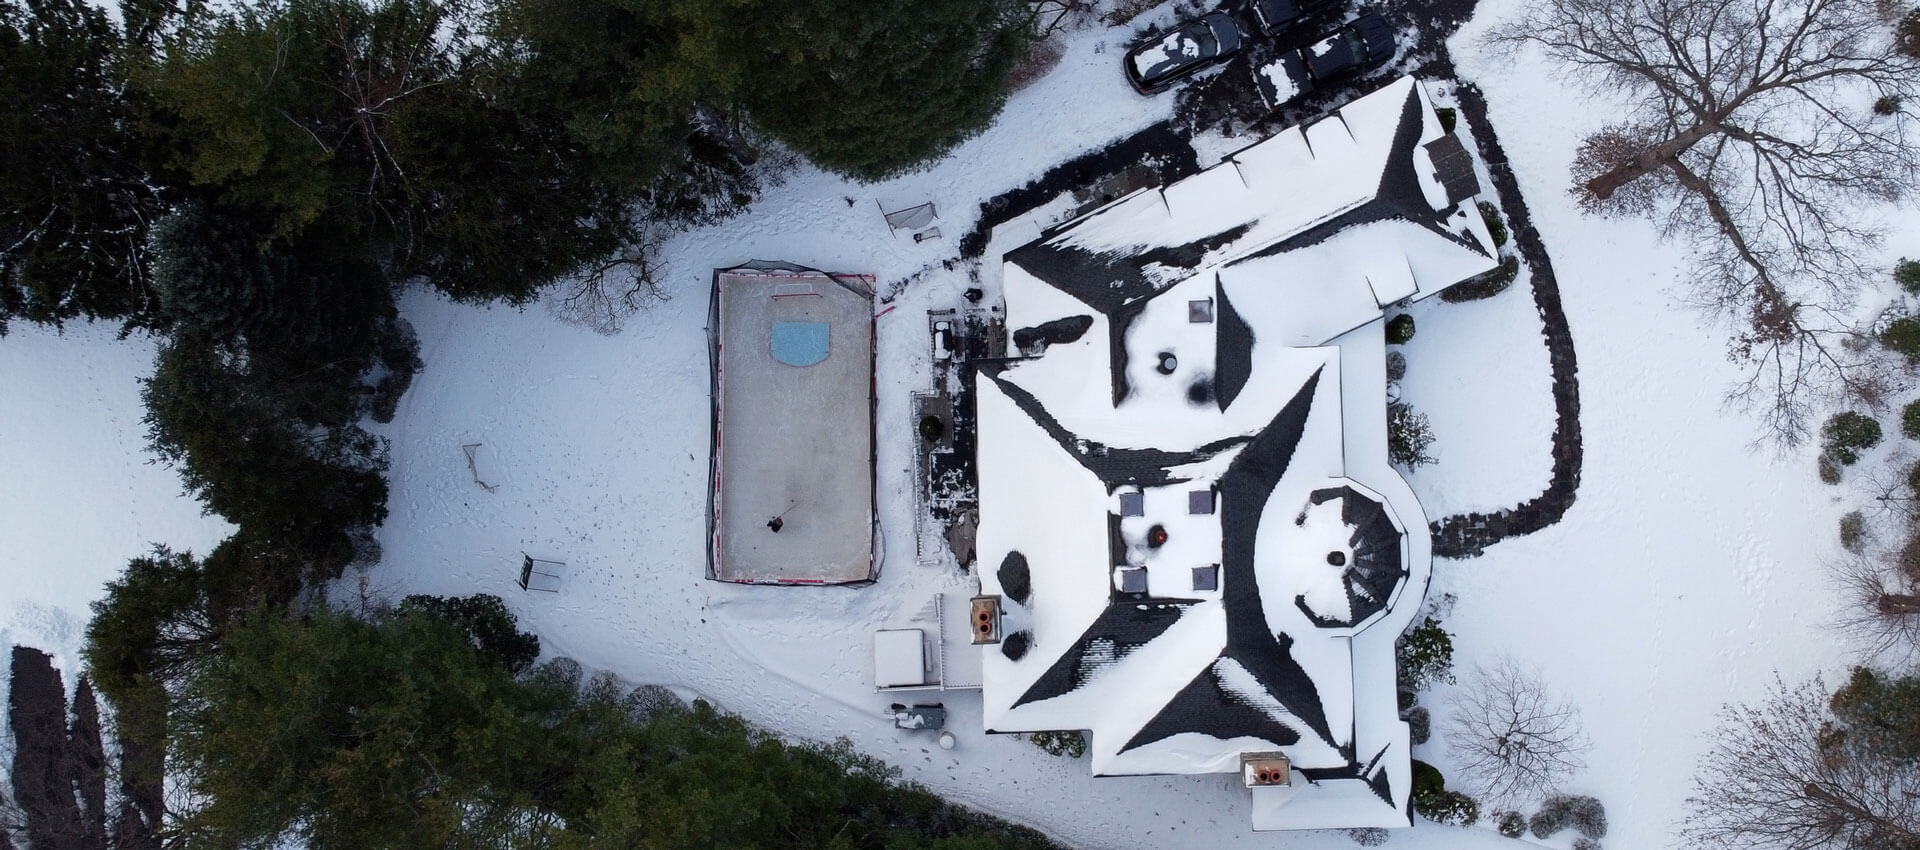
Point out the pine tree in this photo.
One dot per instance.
(73, 198)
(866, 91)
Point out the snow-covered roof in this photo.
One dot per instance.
(1186, 506)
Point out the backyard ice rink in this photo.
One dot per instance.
(1686, 573)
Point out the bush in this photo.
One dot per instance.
(1849, 433)
(1907, 274)
(1887, 105)
(1496, 226)
(1408, 436)
(1069, 744)
(1910, 420)
(1449, 117)
(1906, 34)
(1902, 336)
(1913, 480)
(1424, 655)
(1419, 724)
(1853, 528)
(1511, 824)
(1829, 468)
(1448, 807)
(1397, 367)
(1909, 559)
(1561, 811)
(1370, 836)
(1485, 285)
(1585, 844)
(1400, 329)
(1427, 780)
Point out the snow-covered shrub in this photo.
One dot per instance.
(1448, 807)
(1435, 803)
(1069, 744)
(1850, 432)
(1902, 336)
(1910, 420)
(1907, 272)
(1400, 329)
(1419, 724)
(1913, 479)
(1496, 226)
(1485, 284)
(1511, 824)
(1408, 435)
(1585, 844)
(1584, 815)
(1906, 39)
(1370, 836)
(1424, 655)
(1397, 367)
(1853, 531)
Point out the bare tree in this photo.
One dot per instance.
(1775, 777)
(1512, 737)
(604, 296)
(1880, 604)
(1757, 132)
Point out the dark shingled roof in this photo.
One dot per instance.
(1454, 167)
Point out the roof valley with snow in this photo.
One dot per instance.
(1187, 512)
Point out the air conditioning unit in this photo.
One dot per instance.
(985, 619)
(1266, 770)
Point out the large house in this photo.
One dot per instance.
(1191, 542)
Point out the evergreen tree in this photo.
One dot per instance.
(152, 625)
(1878, 715)
(334, 732)
(73, 195)
(486, 622)
(866, 91)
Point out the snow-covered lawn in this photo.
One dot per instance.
(1684, 574)
(79, 494)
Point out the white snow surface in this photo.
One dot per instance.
(81, 494)
(1686, 573)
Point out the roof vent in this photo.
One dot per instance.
(1266, 770)
(986, 619)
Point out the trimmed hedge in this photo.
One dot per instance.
(1485, 285)
(1564, 811)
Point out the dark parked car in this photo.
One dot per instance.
(1363, 43)
(1273, 17)
(1158, 63)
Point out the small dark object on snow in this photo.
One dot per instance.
(776, 524)
(974, 295)
(847, 199)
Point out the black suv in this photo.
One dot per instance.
(1365, 42)
(1273, 17)
(1155, 64)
